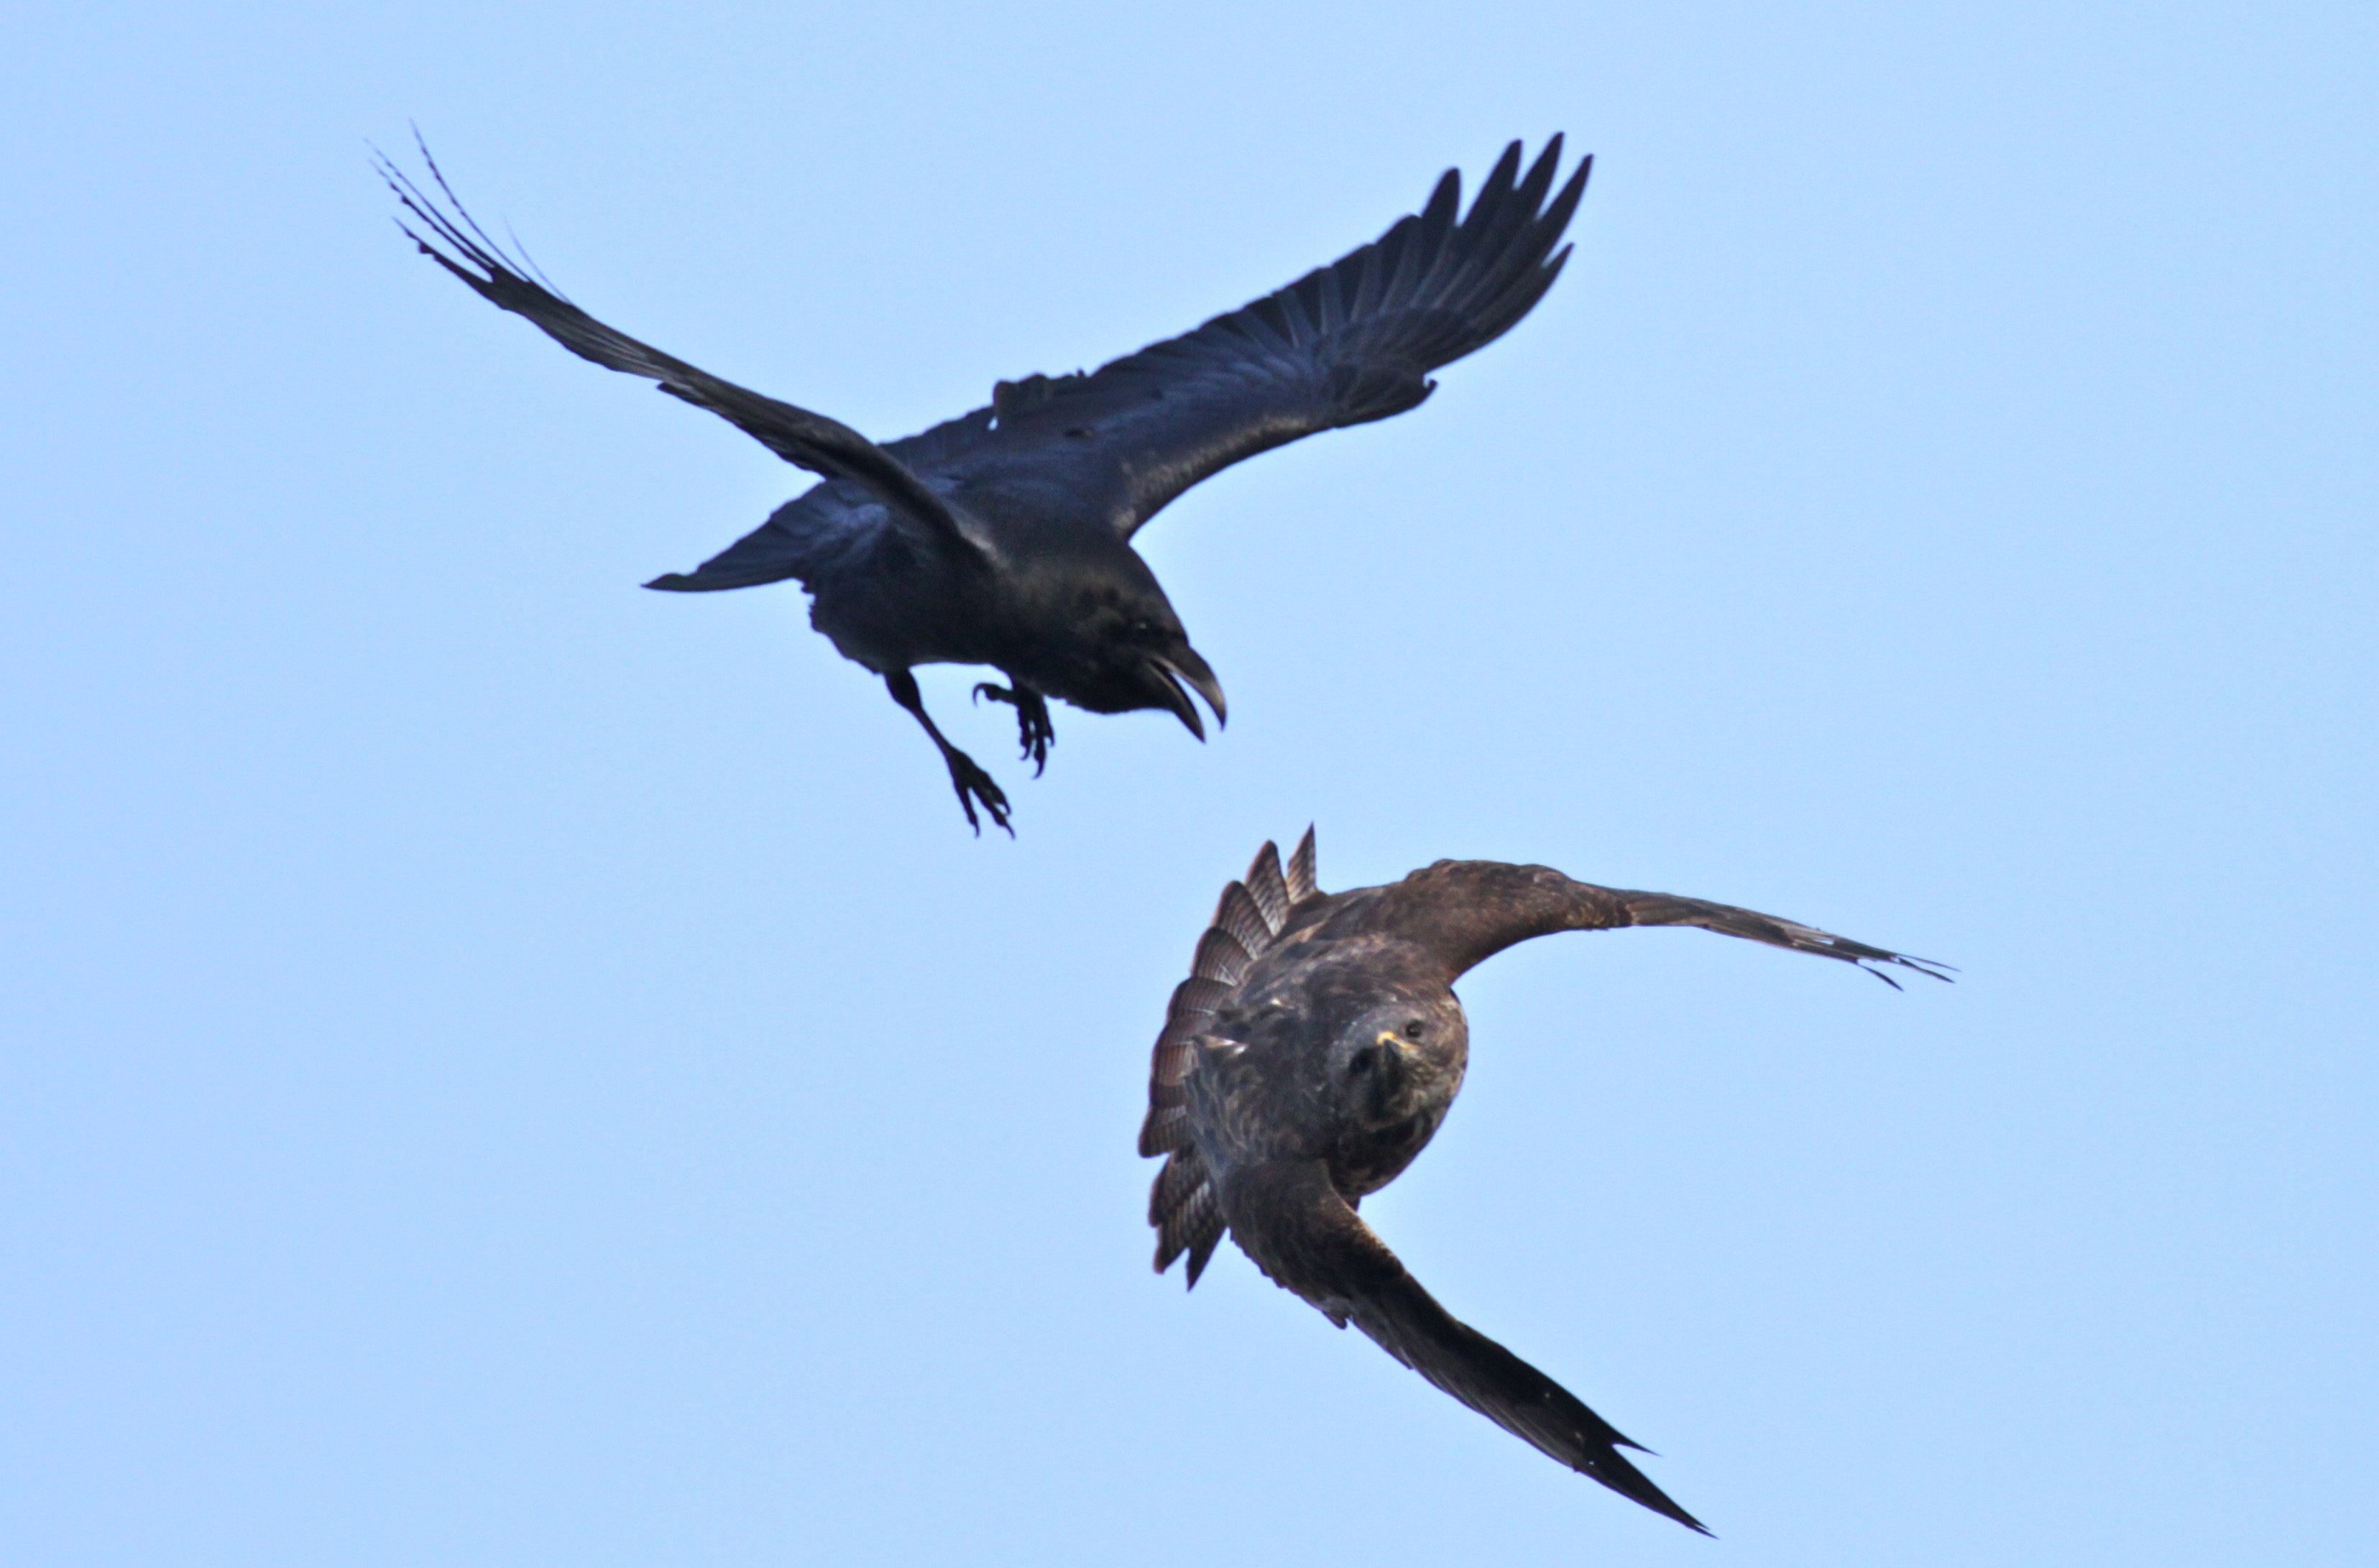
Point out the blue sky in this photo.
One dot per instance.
(504, 1068)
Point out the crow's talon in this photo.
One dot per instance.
(967, 776)
(1034, 732)
(974, 784)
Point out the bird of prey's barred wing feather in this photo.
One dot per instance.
(1291, 1220)
(1346, 344)
(808, 441)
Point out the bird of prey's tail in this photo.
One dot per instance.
(1182, 1205)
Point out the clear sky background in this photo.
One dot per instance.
(503, 1068)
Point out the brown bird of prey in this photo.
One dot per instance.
(1312, 1053)
(1003, 536)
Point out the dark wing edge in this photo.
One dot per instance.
(1293, 1223)
(1668, 909)
(1251, 917)
(808, 441)
(1347, 344)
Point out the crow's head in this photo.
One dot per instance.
(1126, 650)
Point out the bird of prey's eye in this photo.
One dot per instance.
(1412, 1029)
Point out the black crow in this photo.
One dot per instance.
(1003, 537)
(1312, 1053)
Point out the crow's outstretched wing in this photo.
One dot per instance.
(1299, 1231)
(808, 441)
(1347, 344)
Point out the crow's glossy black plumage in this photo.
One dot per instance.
(1312, 1054)
(1003, 537)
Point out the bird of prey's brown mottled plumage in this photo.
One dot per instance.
(1312, 1053)
(1003, 536)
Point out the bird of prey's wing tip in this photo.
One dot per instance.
(1932, 968)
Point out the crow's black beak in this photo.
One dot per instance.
(1187, 667)
(1200, 676)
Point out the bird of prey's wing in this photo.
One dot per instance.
(1668, 909)
(1347, 344)
(1291, 1220)
(1467, 911)
(808, 441)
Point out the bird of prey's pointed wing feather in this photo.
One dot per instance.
(1346, 344)
(1301, 1233)
(808, 441)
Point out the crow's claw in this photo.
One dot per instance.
(974, 784)
(1035, 734)
(966, 776)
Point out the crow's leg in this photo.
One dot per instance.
(1033, 730)
(969, 780)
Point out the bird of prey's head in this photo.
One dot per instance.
(1399, 1059)
(1127, 652)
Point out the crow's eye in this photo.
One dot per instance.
(1412, 1029)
